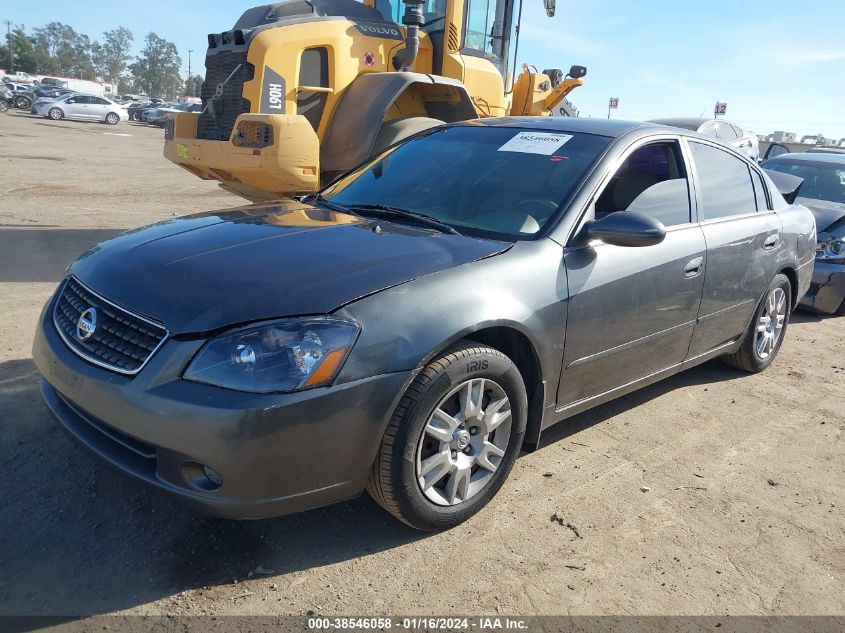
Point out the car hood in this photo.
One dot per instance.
(204, 272)
(829, 215)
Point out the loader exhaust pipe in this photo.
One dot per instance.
(413, 20)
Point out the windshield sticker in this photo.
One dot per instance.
(535, 143)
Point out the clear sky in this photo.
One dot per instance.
(779, 64)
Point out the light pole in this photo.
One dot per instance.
(11, 55)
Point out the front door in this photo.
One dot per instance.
(743, 244)
(632, 310)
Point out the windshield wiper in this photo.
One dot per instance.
(397, 212)
(318, 198)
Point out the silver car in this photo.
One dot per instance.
(83, 107)
(743, 141)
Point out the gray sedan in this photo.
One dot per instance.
(425, 318)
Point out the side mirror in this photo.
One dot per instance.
(776, 149)
(624, 228)
(576, 72)
(550, 7)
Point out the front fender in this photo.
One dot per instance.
(404, 327)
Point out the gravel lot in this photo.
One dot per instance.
(713, 492)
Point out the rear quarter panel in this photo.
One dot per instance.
(799, 237)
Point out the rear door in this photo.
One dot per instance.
(743, 243)
(99, 108)
(76, 107)
(632, 310)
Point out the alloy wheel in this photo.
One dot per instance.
(463, 442)
(770, 324)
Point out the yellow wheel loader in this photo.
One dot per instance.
(301, 91)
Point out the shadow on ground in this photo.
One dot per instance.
(42, 253)
(77, 538)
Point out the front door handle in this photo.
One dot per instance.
(771, 242)
(693, 267)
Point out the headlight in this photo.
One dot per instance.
(276, 356)
(830, 248)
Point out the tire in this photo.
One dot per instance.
(112, 118)
(4, 105)
(457, 486)
(23, 103)
(776, 300)
(395, 131)
(56, 114)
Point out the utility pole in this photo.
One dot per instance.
(11, 55)
(190, 76)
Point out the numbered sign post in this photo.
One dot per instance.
(612, 104)
(721, 109)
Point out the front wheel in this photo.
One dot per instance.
(765, 333)
(56, 114)
(23, 103)
(452, 440)
(4, 105)
(112, 118)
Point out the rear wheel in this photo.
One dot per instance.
(4, 105)
(395, 131)
(23, 103)
(765, 333)
(452, 439)
(56, 114)
(112, 118)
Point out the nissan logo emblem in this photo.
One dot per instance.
(87, 324)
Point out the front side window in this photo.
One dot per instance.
(652, 181)
(724, 181)
(498, 182)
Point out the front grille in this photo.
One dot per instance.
(120, 341)
(223, 100)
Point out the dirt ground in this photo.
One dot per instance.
(713, 492)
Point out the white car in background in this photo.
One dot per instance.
(84, 107)
(743, 141)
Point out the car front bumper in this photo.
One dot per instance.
(827, 288)
(274, 453)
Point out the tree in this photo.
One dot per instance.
(60, 50)
(23, 50)
(156, 69)
(112, 56)
(193, 86)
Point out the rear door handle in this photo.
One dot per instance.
(693, 267)
(771, 242)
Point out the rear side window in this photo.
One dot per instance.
(726, 132)
(724, 181)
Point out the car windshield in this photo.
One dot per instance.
(822, 181)
(499, 182)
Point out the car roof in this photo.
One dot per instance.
(688, 123)
(814, 157)
(601, 127)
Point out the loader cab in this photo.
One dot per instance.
(488, 30)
